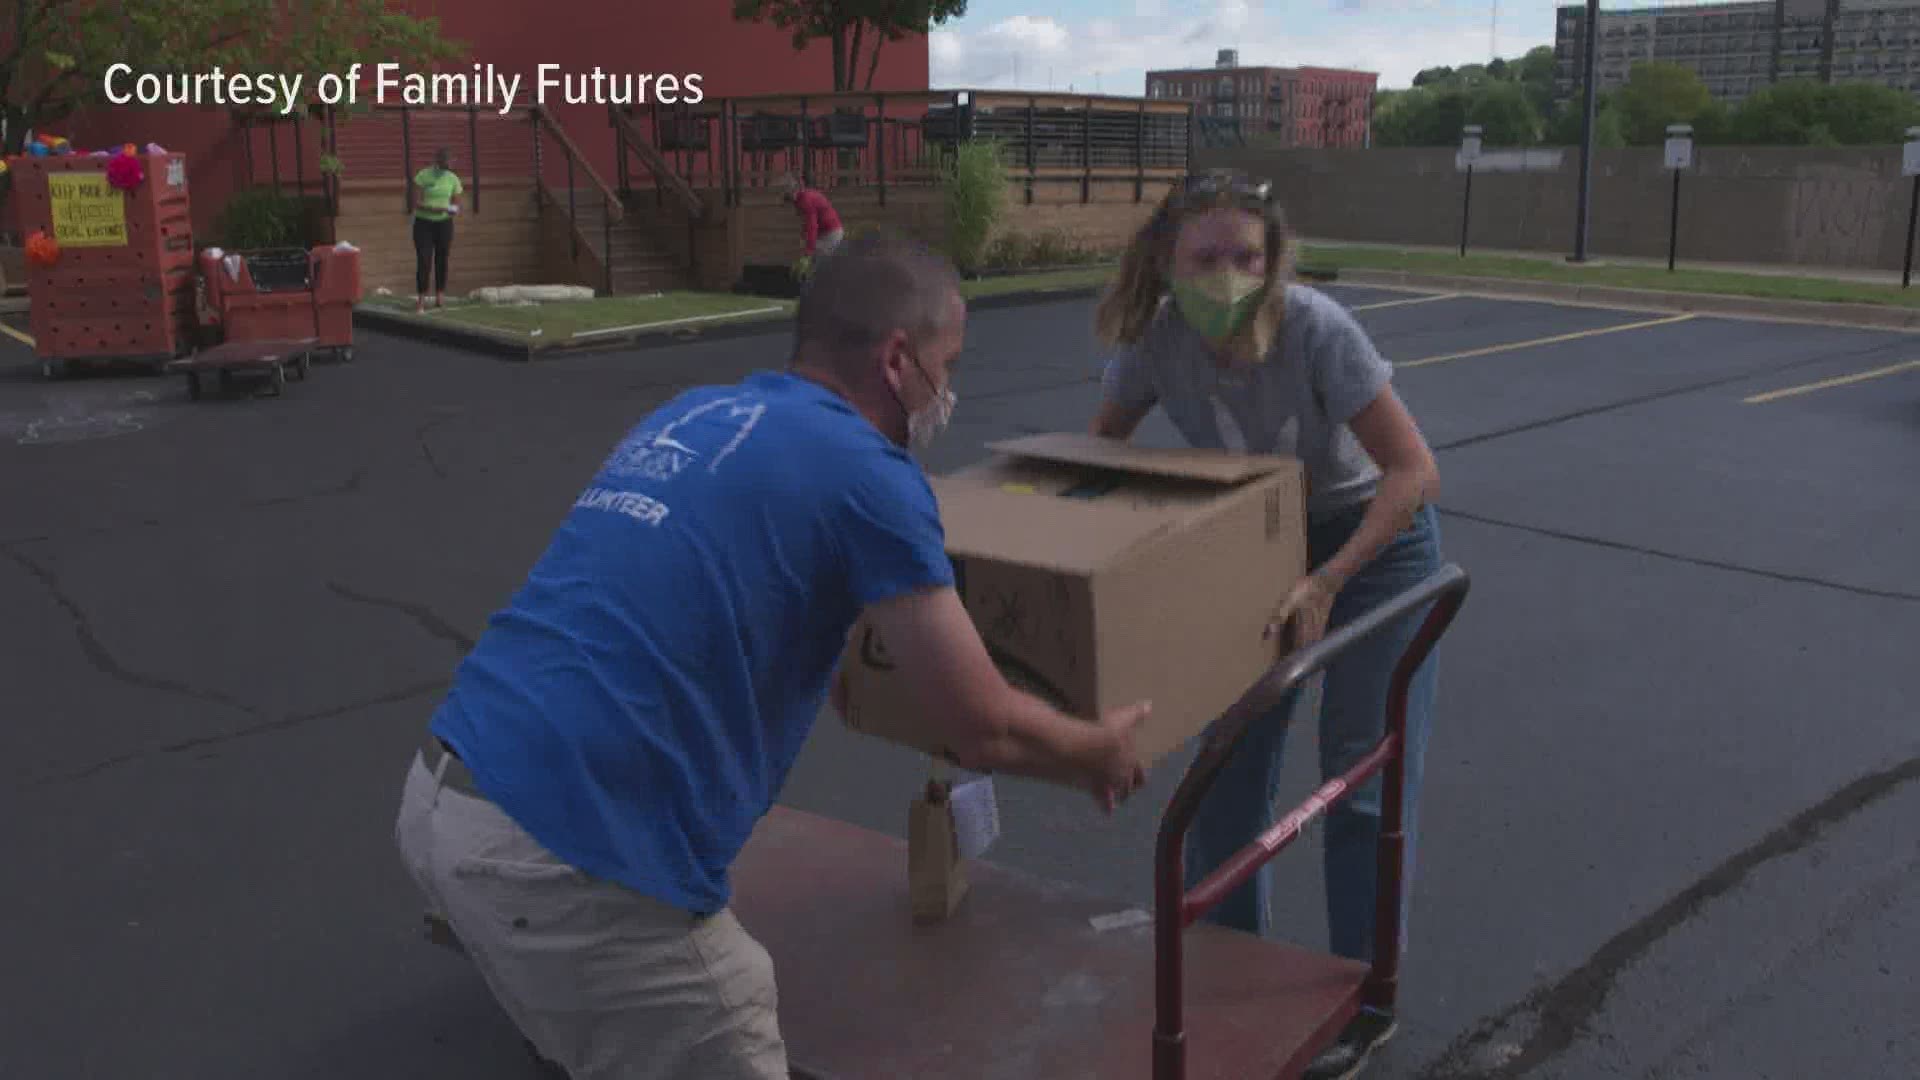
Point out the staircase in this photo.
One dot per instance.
(536, 207)
(634, 251)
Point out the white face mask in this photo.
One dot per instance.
(926, 425)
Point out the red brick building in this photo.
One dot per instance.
(1304, 106)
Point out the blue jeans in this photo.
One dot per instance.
(1352, 721)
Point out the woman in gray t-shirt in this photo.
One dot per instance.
(1210, 327)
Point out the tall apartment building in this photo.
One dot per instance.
(1737, 48)
(1305, 106)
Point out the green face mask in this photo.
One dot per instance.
(1218, 304)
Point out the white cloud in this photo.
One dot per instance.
(1112, 55)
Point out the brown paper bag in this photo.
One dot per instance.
(936, 877)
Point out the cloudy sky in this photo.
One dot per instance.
(1108, 45)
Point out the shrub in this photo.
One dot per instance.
(265, 218)
(975, 182)
(1008, 251)
(1056, 247)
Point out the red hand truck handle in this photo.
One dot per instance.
(1176, 909)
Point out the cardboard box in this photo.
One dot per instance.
(1100, 574)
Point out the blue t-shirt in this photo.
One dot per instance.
(637, 705)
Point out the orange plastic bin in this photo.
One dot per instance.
(284, 295)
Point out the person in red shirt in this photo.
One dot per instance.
(820, 225)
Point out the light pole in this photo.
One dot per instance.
(1587, 65)
(1679, 157)
(1469, 153)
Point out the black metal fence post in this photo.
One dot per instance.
(473, 151)
(880, 144)
(1466, 210)
(1679, 152)
(1913, 212)
(1910, 164)
(1469, 153)
(406, 157)
(1673, 224)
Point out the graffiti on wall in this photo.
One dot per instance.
(1838, 220)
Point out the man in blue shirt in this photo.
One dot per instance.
(614, 736)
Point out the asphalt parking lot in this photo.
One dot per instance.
(1668, 828)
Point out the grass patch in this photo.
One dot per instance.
(561, 320)
(1656, 278)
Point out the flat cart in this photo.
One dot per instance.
(1029, 978)
(270, 358)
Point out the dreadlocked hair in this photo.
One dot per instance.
(1131, 303)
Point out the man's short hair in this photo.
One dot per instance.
(870, 287)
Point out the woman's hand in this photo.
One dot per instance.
(1307, 608)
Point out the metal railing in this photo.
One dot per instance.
(1176, 908)
(577, 166)
(393, 140)
(889, 140)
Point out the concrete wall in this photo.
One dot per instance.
(1776, 205)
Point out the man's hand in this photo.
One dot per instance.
(803, 268)
(1307, 608)
(1116, 770)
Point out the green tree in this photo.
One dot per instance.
(1422, 117)
(1609, 133)
(1535, 74)
(1657, 95)
(1805, 113)
(56, 58)
(1503, 111)
(856, 29)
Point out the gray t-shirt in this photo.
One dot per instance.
(1322, 370)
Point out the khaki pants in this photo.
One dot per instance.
(604, 981)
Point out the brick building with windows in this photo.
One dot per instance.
(1738, 48)
(1303, 106)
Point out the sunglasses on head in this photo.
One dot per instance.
(1213, 185)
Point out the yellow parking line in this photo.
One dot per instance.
(1824, 384)
(1403, 303)
(25, 339)
(1554, 340)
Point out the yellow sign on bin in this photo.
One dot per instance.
(87, 211)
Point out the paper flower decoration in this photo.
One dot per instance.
(155, 148)
(42, 250)
(38, 149)
(4, 166)
(125, 173)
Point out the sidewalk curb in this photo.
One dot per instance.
(515, 347)
(1870, 316)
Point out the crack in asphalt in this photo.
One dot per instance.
(1558, 1015)
(426, 617)
(389, 697)
(1691, 560)
(351, 485)
(1873, 900)
(103, 659)
(426, 448)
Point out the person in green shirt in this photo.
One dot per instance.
(433, 211)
